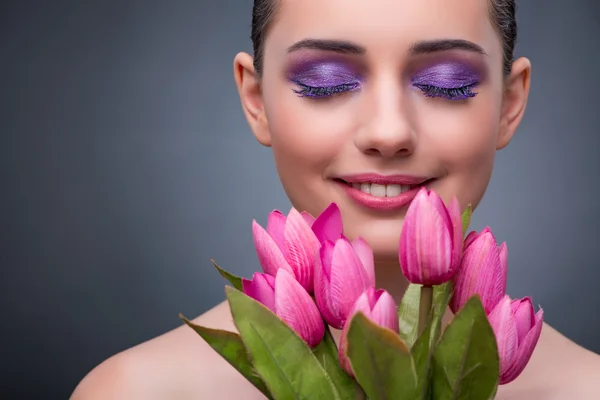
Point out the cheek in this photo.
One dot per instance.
(463, 140)
(305, 138)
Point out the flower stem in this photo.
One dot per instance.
(425, 306)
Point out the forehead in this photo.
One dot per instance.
(383, 26)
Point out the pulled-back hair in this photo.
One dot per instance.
(501, 13)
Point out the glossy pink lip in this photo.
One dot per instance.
(384, 179)
(382, 203)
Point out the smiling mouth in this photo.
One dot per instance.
(382, 190)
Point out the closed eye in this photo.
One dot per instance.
(325, 91)
(459, 93)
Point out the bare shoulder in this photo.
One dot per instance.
(583, 378)
(559, 369)
(177, 364)
(578, 369)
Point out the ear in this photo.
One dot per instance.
(249, 88)
(516, 92)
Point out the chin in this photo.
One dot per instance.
(383, 236)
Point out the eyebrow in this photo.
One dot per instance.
(335, 46)
(433, 46)
(422, 47)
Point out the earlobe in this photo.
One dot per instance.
(516, 93)
(249, 89)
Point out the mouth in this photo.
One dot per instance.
(382, 193)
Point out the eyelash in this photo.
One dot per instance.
(460, 93)
(320, 92)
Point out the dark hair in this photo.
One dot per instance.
(502, 15)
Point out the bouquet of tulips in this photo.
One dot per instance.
(316, 279)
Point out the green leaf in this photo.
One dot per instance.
(441, 298)
(408, 314)
(235, 281)
(466, 219)
(327, 354)
(465, 362)
(284, 361)
(229, 345)
(380, 360)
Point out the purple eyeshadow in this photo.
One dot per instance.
(323, 74)
(449, 75)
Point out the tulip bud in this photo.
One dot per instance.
(431, 239)
(285, 297)
(287, 243)
(517, 329)
(482, 271)
(379, 307)
(346, 270)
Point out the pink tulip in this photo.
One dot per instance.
(482, 271)
(379, 307)
(285, 297)
(346, 270)
(431, 239)
(288, 243)
(517, 329)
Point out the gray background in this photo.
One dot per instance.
(126, 163)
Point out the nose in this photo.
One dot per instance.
(387, 129)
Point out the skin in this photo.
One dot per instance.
(385, 125)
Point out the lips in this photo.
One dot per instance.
(383, 193)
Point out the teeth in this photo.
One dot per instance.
(395, 190)
(377, 190)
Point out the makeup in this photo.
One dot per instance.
(382, 193)
(323, 77)
(452, 79)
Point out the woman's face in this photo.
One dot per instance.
(363, 101)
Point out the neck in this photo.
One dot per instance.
(389, 277)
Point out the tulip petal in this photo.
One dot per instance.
(326, 252)
(505, 329)
(480, 273)
(457, 229)
(348, 278)
(328, 225)
(525, 351)
(302, 248)
(504, 259)
(365, 254)
(269, 255)
(296, 308)
(364, 303)
(523, 312)
(438, 205)
(432, 234)
(261, 288)
(322, 287)
(503, 273)
(275, 227)
(310, 220)
(408, 251)
(474, 235)
(470, 238)
(385, 312)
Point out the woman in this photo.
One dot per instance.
(360, 101)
